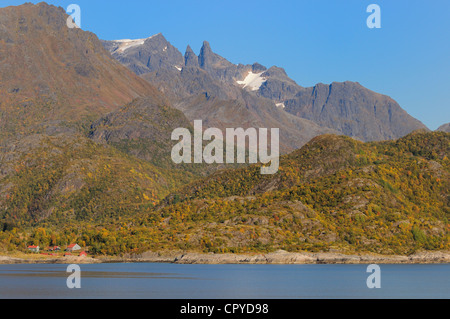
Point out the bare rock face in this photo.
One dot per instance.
(190, 58)
(278, 86)
(353, 110)
(146, 55)
(218, 67)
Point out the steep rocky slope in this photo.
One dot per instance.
(55, 77)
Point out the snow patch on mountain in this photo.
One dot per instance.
(253, 81)
(125, 44)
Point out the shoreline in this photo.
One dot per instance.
(276, 258)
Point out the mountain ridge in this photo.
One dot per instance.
(352, 110)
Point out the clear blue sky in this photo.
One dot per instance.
(315, 40)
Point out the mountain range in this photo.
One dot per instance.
(208, 86)
(85, 143)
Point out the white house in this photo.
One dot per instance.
(73, 247)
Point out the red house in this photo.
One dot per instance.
(83, 254)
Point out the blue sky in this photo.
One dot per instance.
(315, 40)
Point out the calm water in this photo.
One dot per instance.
(171, 281)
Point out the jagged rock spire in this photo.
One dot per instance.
(190, 58)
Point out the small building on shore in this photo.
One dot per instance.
(73, 247)
(34, 249)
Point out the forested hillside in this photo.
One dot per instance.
(334, 193)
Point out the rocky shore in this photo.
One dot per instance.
(278, 257)
(55, 260)
(284, 257)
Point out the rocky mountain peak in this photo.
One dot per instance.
(209, 60)
(146, 55)
(190, 58)
(276, 72)
(189, 49)
(258, 68)
(158, 39)
(207, 56)
(206, 47)
(217, 66)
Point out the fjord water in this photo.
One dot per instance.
(174, 281)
